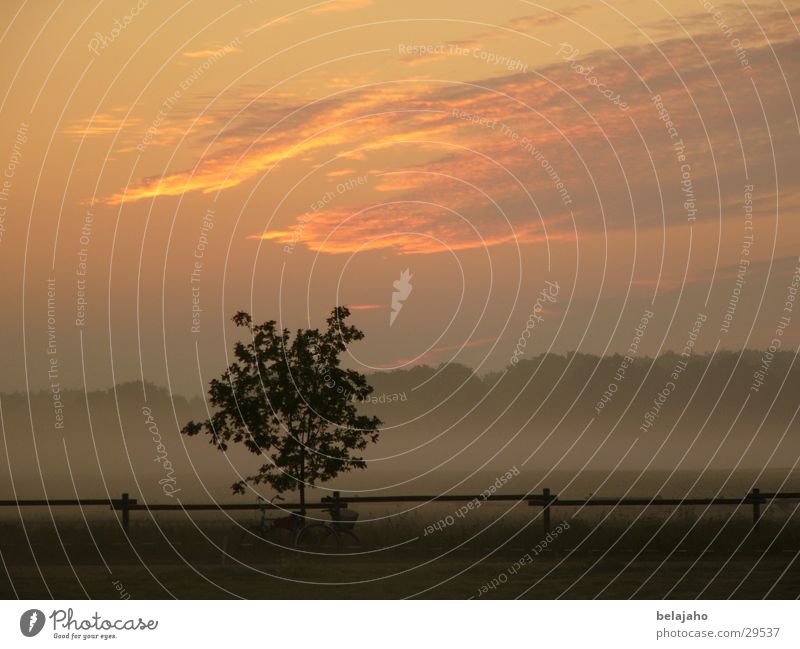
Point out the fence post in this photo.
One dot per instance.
(126, 515)
(335, 509)
(546, 512)
(756, 507)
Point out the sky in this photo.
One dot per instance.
(546, 173)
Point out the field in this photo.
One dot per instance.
(675, 554)
(747, 577)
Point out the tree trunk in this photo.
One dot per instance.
(303, 481)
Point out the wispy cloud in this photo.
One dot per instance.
(365, 307)
(549, 17)
(209, 53)
(315, 9)
(490, 163)
(102, 124)
(338, 6)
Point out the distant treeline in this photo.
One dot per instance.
(572, 412)
(645, 392)
(551, 385)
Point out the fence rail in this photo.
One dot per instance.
(336, 502)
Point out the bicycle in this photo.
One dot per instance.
(275, 534)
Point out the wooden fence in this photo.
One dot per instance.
(336, 502)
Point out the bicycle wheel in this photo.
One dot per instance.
(348, 541)
(318, 537)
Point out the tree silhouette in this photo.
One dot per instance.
(291, 401)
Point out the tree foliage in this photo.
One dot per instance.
(290, 401)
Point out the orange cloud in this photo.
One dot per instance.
(342, 172)
(405, 228)
(338, 6)
(547, 17)
(207, 54)
(309, 129)
(522, 158)
(321, 8)
(102, 124)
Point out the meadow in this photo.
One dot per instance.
(664, 553)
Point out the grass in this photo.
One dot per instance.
(657, 556)
(452, 577)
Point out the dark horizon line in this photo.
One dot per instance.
(481, 375)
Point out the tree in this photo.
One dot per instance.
(290, 401)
